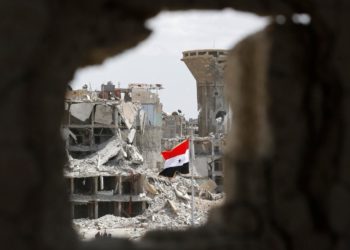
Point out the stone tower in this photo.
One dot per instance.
(207, 67)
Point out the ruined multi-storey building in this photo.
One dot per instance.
(207, 159)
(174, 125)
(207, 68)
(103, 132)
(149, 139)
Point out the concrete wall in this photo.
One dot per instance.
(149, 144)
(287, 190)
(207, 68)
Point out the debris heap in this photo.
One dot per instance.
(113, 190)
(169, 208)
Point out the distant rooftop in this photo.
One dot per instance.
(205, 52)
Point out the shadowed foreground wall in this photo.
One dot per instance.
(287, 165)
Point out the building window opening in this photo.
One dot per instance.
(102, 135)
(83, 185)
(106, 183)
(81, 211)
(105, 208)
(132, 209)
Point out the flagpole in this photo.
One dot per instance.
(192, 186)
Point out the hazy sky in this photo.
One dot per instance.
(157, 59)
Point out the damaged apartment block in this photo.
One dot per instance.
(100, 128)
(207, 67)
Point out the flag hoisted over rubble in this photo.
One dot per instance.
(176, 160)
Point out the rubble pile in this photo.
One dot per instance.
(114, 157)
(169, 208)
(108, 177)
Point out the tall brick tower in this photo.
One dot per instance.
(207, 68)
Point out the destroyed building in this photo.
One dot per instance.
(102, 171)
(174, 125)
(207, 68)
(149, 139)
(207, 160)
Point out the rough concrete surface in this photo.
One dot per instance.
(289, 197)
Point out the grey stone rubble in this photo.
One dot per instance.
(125, 159)
(168, 199)
(166, 210)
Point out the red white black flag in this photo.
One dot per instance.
(176, 160)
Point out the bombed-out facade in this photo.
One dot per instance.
(102, 130)
(207, 67)
(114, 137)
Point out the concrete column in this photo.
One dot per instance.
(115, 210)
(143, 206)
(119, 209)
(95, 209)
(94, 185)
(90, 210)
(120, 192)
(71, 185)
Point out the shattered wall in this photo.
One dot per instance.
(174, 125)
(150, 146)
(207, 68)
(149, 138)
(295, 197)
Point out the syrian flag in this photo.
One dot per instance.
(176, 160)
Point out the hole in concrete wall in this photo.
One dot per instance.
(157, 60)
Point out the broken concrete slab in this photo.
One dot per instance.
(81, 111)
(149, 187)
(109, 150)
(172, 206)
(128, 111)
(134, 154)
(142, 120)
(208, 186)
(103, 114)
(131, 135)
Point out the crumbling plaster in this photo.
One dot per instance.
(44, 42)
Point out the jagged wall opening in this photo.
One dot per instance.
(307, 75)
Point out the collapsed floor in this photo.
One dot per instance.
(112, 172)
(103, 203)
(169, 208)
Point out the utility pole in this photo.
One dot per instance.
(192, 157)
